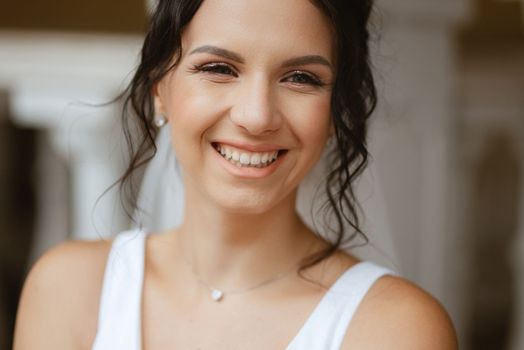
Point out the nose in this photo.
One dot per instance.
(255, 108)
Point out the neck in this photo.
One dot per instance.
(236, 250)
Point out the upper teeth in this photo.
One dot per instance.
(243, 157)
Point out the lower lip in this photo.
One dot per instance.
(249, 172)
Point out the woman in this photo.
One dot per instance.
(253, 92)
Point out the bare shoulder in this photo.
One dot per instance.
(397, 314)
(59, 303)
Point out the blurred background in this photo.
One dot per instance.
(447, 145)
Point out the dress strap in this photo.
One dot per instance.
(119, 315)
(360, 280)
(328, 324)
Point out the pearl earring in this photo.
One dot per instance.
(159, 120)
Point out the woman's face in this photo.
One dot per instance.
(253, 84)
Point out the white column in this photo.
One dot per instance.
(48, 77)
(94, 149)
(413, 136)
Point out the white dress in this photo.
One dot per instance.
(120, 317)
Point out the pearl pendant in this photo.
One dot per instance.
(217, 295)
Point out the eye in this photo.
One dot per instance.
(303, 78)
(217, 68)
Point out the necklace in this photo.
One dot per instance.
(218, 294)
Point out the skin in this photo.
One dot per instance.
(255, 98)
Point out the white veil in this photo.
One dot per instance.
(161, 200)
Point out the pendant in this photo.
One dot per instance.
(217, 295)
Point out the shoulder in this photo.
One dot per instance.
(59, 302)
(396, 314)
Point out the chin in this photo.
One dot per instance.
(246, 202)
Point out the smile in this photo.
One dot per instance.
(242, 158)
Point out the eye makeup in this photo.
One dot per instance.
(224, 70)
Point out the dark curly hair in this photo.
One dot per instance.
(353, 100)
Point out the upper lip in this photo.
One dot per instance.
(266, 147)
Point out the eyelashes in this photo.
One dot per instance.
(224, 71)
(216, 68)
(305, 78)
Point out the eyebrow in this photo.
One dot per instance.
(305, 60)
(217, 51)
(295, 61)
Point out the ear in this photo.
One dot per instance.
(157, 99)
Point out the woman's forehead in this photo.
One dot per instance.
(261, 26)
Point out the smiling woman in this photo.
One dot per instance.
(252, 91)
(251, 94)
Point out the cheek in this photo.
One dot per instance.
(311, 123)
(191, 111)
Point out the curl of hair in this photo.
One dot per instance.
(353, 100)
(160, 53)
